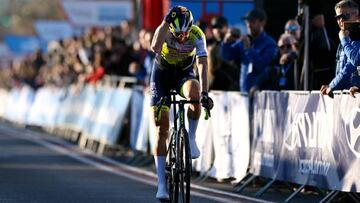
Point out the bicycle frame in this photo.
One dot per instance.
(179, 162)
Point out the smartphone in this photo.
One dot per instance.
(354, 29)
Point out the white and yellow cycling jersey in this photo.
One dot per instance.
(175, 53)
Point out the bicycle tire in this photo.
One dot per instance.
(168, 169)
(171, 167)
(186, 162)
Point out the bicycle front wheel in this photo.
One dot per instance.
(185, 166)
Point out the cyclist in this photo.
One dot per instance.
(177, 44)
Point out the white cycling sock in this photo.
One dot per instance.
(160, 168)
(192, 128)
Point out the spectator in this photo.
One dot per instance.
(38, 60)
(285, 66)
(256, 52)
(346, 10)
(292, 27)
(207, 30)
(97, 69)
(218, 79)
(219, 69)
(321, 51)
(150, 56)
(220, 26)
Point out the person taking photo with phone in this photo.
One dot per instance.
(346, 74)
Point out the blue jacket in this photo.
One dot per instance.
(347, 59)
(255, 61)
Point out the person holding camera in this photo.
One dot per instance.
(346, 75)
(256, 52)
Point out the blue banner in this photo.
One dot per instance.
(49, 30)
(22, 44)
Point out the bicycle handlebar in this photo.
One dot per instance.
(179, 102)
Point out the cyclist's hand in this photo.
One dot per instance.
(207, 103)
(170, 16)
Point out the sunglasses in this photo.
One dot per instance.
(287, 46)
(344, 16)
(181, 34)
(292, 28)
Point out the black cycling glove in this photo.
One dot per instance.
(206, 101)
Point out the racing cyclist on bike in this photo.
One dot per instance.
(177, 44)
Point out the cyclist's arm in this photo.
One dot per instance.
(202, 66)
(159, 37)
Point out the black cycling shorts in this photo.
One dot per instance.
(165, 79)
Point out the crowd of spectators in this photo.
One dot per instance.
(116, 51)
(237, 61)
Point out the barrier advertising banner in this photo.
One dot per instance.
(230, 134)
(305, 140)
(346, 143)
(269, 122)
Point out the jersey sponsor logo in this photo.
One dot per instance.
(153, 91)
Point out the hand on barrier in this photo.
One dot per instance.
(207, 103)
(353, 90)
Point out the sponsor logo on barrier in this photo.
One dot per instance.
(352, 128)
(309, 130)
(315, 167)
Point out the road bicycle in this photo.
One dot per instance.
(178, 162)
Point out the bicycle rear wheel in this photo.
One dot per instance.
(185, 166)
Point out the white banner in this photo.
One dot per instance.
(231, 135)
(45, 107)
(19, 102)
(240, 134)
(4, 96)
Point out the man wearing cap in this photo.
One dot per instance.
(219, 25)
(256, 52)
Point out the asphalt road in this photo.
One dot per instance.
(36, 167)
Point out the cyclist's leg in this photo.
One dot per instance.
(158, 90)
(162, 130)
(190, 89)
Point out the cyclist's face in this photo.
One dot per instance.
(181, 37)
